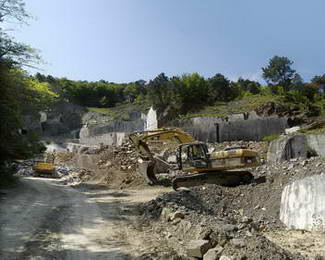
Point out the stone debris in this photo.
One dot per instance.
(213, 253)
(197, 248)
(210, 221)
(224, 257)
(234, 218)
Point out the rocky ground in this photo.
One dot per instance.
(235, 223)
(235, 219)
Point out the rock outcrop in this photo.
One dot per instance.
(287, 147)
(296, 146)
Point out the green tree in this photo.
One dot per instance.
(221, 89)
(246, 85)
(279, 72)
(194, 90)
(319, 82)
(158, 91)
(13, 11)
(16, 91)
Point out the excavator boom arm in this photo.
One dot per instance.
(141, 139)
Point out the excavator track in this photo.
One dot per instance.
(222, 178)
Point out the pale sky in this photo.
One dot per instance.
(127, 40)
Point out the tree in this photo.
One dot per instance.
(220, 89)
(319, 82)
(17, 90)
(194, 91)
(250, 86)
(13, 10)
(11, 51)
(279, 72)
(158, 90)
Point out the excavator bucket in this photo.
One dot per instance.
(147, 170)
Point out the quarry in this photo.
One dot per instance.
(281, 215)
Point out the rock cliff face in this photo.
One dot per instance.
(296, 146)
(97, 130)
(247, 126)
(64, 119)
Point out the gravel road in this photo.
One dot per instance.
(41, 219)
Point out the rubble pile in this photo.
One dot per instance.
(291, 170)
(234, 218)
(63, 158)
(193, 231)
(74, 176)
(24, 168)
(123, 157)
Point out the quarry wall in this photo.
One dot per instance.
(93, 128)
(246, 126)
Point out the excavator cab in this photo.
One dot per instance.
(192, 156)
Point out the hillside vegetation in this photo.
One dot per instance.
(191, 95)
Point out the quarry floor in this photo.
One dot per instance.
(41, 219)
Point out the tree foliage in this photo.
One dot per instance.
(279, 72)
(13, 10)
(18, 90)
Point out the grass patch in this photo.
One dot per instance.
(100, 110)
(121, 112)
(317, 131)
(270, 138)
(243, 105)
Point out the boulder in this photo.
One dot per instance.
(213, 253)
(287, 147)
(166, 214)
(177, 214)
(224, 257)
(238, 242)
(317, 144)
(302, 204)
(197, 248)
(292, 130)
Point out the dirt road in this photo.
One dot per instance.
(41, 219)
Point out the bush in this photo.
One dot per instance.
(7, 177)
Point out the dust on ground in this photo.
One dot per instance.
(41, 219)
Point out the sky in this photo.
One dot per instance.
(128, 40)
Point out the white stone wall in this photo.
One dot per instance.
(113, 138)
(303, 204)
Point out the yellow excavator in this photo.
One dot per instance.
(193, 157)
